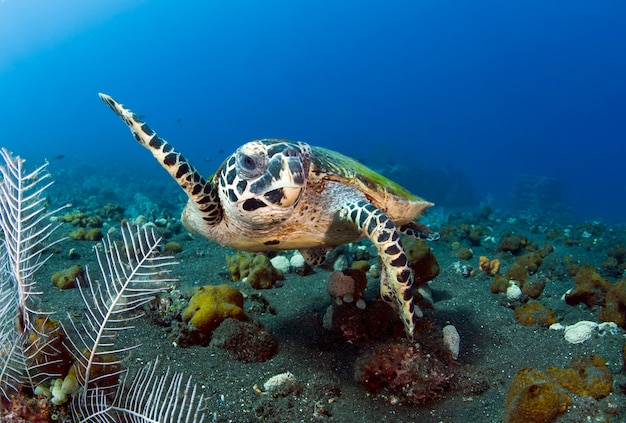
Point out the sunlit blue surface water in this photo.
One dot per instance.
(456, 100)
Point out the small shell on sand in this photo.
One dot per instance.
(278, 381)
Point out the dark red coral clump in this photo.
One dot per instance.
(403, 372)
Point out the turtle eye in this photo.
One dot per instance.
(250, 166)
(247, 162)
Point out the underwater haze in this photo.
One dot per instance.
(463, 102)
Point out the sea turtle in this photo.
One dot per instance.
(276, 194)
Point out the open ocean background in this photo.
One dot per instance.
(463, 102)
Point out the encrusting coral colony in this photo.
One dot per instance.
(60, 365)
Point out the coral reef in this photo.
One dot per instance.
(534, 288)
(255, 269)
(36, 351)
(110, 211)
(499, 284)
(452, 340)
(584, 376)
(362, 265)
(47, 340)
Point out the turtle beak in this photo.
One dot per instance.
(291, 195)
(285, 196)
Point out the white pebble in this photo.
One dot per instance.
(341, 263)
(579, 332)
(513, 292)
(281, 263)
(452, 340)
(278, 381)
(297, 261)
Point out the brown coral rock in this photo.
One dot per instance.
(534, 313)
(589, 287)
(534, 288)
(464, 253)
(614, 309)
(67, 278)
(499, 284)
(422, 261)
(512, 244)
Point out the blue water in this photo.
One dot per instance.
(456, 99)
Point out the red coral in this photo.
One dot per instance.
(404, 372)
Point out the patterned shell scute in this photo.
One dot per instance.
(335, 166)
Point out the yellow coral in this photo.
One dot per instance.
(257, 269)
(592, 377)
(490, 267)
(81, 219)
(539, 397)
(211, 305)
(81, 234)
(172, 247)
(533, 398)
(67, 278)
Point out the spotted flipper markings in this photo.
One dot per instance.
(397, 277)
(417, 230)
(199, 190)
(314, 256)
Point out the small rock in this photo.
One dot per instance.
(579, 332)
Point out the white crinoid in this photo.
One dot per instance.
(131, 274)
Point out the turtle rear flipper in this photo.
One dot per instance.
(396, 283)
(314, 256)
(202, 193)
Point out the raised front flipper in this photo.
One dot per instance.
(417, 230)
(396, 282)
(202, 193)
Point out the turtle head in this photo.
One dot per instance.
(263, 180)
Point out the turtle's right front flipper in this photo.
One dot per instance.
(201, 192)
(396, 283)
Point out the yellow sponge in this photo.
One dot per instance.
(211, 305)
